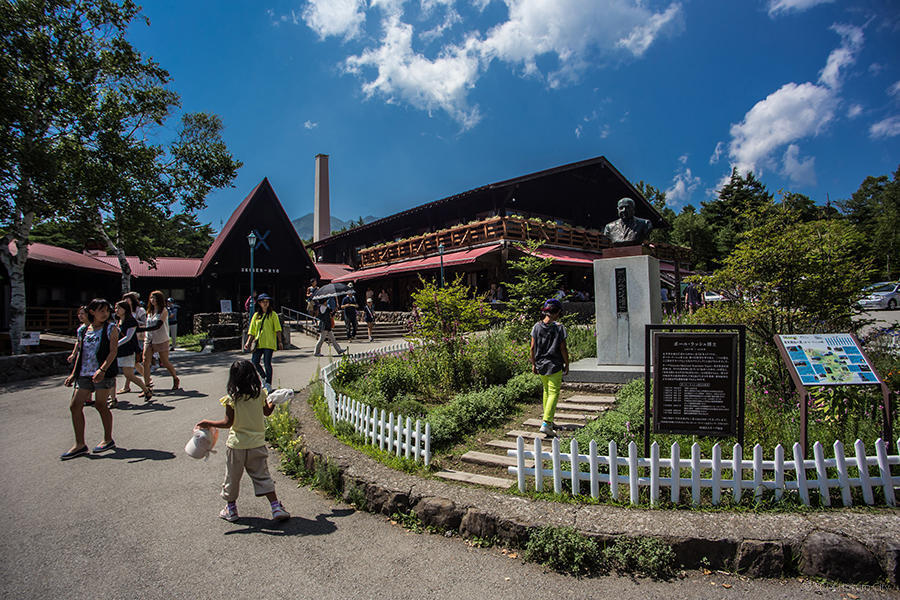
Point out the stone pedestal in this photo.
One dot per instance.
(627, 297)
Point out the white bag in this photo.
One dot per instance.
(202, 442)
(281, 396)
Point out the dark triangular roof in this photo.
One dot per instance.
(262, 196)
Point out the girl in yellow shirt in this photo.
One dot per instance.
(246, 409)
(265, 328)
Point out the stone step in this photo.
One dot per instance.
(562, 425)
(575, 416)
(599, 399)
(592, 408)
(529, 435)
(504, 444)
(492, 460)
(486, 480)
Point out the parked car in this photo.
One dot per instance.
(884, 295)
(712, 297)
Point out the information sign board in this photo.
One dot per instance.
(225, 306)
(30, 338)
(695, 383)
(828, 359)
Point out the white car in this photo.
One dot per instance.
(884, 295)
(712, 297)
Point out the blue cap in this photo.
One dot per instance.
(552, 305)
(263, 297)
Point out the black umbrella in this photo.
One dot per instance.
(332, 290)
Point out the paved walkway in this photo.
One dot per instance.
(141, 522)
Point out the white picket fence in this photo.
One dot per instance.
(393, 433)
(765, 474)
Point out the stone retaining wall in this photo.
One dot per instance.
(846, 544)
(31, 366)
(202, 321)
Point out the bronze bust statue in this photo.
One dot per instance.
(627, 228)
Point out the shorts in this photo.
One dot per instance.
(156, 348)
(87, 383)
(125, 361)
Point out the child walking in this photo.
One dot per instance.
(246, 407)
(549, 359)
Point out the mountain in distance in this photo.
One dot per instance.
(304, 225)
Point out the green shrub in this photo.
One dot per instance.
(645, 556)
(392, 376)
(470, 412)
(621, 424)
(281, 427)
(565, 550)
(356, 496)
(581, 340)
(347, 371)
(327, 477)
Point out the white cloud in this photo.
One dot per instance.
(843, 56)
(684, 184)
(885, 128)
(894, 90)
(604, 132)
(343, 18)
(579, 131)
(786, 6)
(578, 34)
(800, 171)
(791, 113)
(854, 111)
(405, 75)
(642, 36)
(310, 124)
(717, 153)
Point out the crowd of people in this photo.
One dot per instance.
(112, 340)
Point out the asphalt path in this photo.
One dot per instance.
(141, 522)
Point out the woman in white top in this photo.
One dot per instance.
(157, 339)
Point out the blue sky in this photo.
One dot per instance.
(415, 100)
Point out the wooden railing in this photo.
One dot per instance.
(42, 318)
(471, 234)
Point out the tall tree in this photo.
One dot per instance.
(743, 203)
(874, 209)
(77, 105)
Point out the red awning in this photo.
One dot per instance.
(451, 259)
(564, 256)
(331, 271)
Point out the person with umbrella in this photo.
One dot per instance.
(327, 295)
(349, 306)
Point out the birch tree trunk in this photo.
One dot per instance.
(120, 254)
(15, 267)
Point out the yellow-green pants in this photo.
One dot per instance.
(552, 384)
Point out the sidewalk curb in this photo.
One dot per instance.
(849, 545)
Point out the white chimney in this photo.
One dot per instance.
(321, 208)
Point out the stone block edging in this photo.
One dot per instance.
(844, 544)
(21, 367)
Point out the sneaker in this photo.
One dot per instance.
(547, 430)
(229, 513)
(278, 512)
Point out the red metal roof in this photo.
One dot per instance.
(60, 256)
(330, 271)
(166, 266)
(460, 257)
(564, 256)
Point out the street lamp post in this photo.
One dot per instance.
(251, 239)
(441, 252)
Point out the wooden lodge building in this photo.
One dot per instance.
(473, 233)
(59, 280)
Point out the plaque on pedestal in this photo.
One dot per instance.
(627, 297)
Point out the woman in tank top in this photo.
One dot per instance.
(157, 338)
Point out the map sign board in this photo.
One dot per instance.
(828, 359)
(695, 383)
